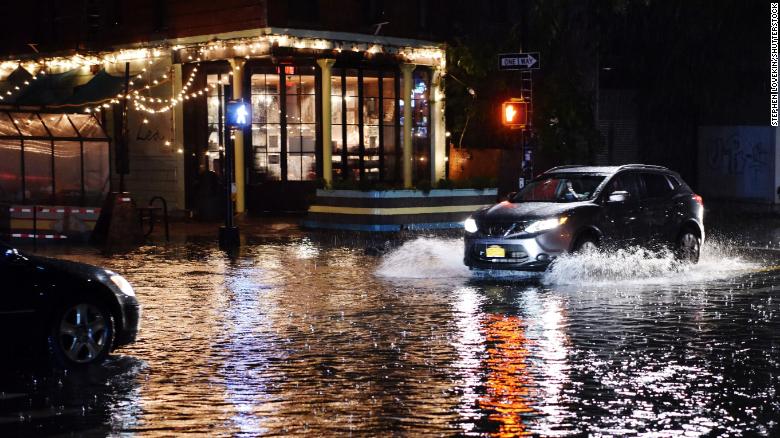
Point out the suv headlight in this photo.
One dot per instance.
(545, 224)
(470, 225)
(120, 282)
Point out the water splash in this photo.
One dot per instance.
(425, 257)
(429, 257)
(643, 266)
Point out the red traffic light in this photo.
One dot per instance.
(514, 113)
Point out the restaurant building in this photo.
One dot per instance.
(326, 106)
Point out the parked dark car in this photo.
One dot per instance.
(80, 313)
(576, 208)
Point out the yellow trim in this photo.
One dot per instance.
(395, 210)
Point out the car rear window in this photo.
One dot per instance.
(656, 185)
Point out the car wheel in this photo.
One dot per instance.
(82, 333)
(586, 244)
(688, 247)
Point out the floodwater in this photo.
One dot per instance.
(307, 334)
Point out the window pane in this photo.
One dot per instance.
(293, 138)
(95, 171)
(67, 171)
(353, 139)
(370, 84)
(388, 108)
(371, 139)
(388, 87)
(352, 83)
(371, 111)
(337, 139)
(335, 84)
(335, 109)
(293, 109)
(29, 124)
(309, 167)
(87, 125)
(59, 125)
(307, 84)
(352, 109)
(308, 137)
(37, 170)
(293, 84)
(293, 167)
(272, 84)
(10, 170)
(7, 127)
(308, 112)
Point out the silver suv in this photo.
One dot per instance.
(575, 208)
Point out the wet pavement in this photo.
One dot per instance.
(306, 333)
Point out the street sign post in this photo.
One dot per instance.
(519, 61)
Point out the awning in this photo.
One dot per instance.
(101, 87)
(59, 91)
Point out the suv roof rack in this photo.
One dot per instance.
(643, 166)
(566, 166)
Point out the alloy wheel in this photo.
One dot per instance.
(83, 333)
(689, 247)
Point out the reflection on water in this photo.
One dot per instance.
(301, 335)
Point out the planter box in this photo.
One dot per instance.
(395, 210)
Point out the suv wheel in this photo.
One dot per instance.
(586, 244)
(82, 333)
(688, 247)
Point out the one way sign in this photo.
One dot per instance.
(518, 61)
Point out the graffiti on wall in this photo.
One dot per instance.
(737, 162)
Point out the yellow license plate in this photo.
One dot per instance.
(495, 251)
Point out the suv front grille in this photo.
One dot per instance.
(500, 229)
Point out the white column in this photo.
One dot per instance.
(438, 127)
(327, 150)
(406, 95)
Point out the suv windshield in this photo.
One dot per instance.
(570, 187)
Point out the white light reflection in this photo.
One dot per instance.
(470, 347)
(549, 345)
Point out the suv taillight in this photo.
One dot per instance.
(698, 199)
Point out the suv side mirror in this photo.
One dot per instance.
(618, 196)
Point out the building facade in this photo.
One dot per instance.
(333, 97)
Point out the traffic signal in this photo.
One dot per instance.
(514, 113)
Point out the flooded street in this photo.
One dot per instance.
(307, 334)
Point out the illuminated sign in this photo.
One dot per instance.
(237, 114)
(514, 113)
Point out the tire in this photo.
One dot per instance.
(586, 243)
(82, 333)
(688, 246)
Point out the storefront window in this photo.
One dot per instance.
(218, 88)
(301, 125)
(337, 115)
(371, 121)
(96, 181)
(389, 131)
(266, 127)
(421, 148)
(364, 118)
(37, 171)
(352, 123)
(44, 164)
(10, 171)
(67, 172)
